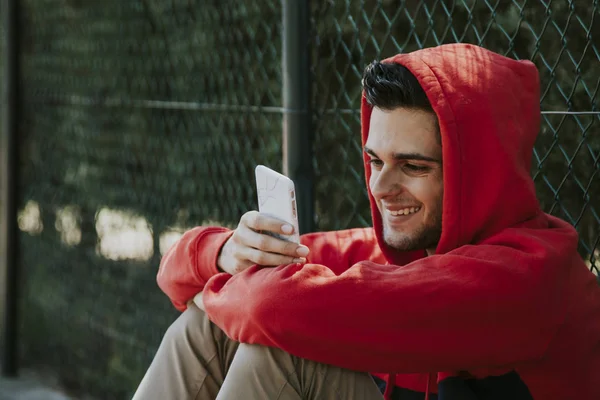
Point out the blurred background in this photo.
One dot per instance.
(126, 122)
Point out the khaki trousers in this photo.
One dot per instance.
(197, 361)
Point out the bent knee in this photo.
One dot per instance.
(255, 354)
(190, 323)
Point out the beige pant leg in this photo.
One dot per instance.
(264, 373)
(191, 362)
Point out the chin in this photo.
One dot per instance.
(399, 242)
(405, 242)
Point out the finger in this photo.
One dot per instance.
(262, 222)
(268, 259)
(241, 266)
(270, 244)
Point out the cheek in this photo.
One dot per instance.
(426, 191)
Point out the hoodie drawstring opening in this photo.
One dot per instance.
(389, 386)
(427, 387)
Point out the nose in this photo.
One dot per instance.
(385, 183)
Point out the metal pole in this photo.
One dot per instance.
(297, 124)
(8, 180)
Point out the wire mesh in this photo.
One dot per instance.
(142, 118)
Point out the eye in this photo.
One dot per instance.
(376, 163)
(416, 168)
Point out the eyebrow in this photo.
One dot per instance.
(404, 156)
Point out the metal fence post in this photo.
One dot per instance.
(297, 117)
(8, 180)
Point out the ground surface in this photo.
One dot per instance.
(29, 387)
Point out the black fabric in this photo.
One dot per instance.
(403, 394)
(507, 386)
(503, 387)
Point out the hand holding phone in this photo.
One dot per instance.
(249, 245)
(262, 237)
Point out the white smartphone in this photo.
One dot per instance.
(277, 198)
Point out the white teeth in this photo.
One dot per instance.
(405, 211)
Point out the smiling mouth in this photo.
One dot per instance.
(404, 211)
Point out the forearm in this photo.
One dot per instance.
(190, 263)
(386, 313)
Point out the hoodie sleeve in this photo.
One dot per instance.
(479, 306)
(342, 249)
(192, 261)
(188, 264)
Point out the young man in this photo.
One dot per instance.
(463, 288)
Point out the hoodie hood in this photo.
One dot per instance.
(488, 110)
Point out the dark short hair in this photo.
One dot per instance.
(389, 85)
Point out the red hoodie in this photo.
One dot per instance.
(506, 291)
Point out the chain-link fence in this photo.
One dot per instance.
(142, 118)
